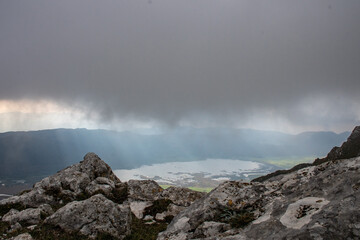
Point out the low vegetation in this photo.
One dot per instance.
(49, 232)
(286, 163)
(198, 189)
(235, 217)
(140, 230)
(7, 207)
(158, 206)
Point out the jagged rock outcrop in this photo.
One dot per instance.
(76, 182)
(148, 201)
(29, 215)
(316, 202)
(180, 196)
(93, 216)
(87, 201)
(348, 149)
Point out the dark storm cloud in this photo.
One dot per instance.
(174, 60)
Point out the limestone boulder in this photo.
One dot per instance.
(181, 196)
(77, 182)
(93, 216)
(143, 190)
(28, 216)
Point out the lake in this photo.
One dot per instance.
(205, 173)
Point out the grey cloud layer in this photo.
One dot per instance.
(167, 60)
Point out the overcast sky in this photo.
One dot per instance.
(281, 65)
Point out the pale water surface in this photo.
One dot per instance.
(180, 173)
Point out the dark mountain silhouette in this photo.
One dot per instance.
(39, 153)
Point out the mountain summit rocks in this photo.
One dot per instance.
(348, 149)
(320, 201)
(87, 200)
(77, 182)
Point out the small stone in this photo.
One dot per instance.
(160, 216)
(16, 226)
(93, 216)
(148, 218)
(32, 227)
(138, 207)
(24, 236)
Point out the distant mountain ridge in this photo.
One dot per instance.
(26, 154)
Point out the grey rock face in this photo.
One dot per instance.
(318, 202)
(181, 196)
(93, 216)
(349, 149)
(144, 190)
(143, 194)
(78, 181)
(88, 199)
(209, 229)
(93, 194)
(28, 216)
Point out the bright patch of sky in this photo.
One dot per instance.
(25, 115)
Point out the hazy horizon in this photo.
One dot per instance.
(288, 66)
(163, 130)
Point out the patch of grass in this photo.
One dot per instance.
(236, 218)
(198, 189)
(158, 206)
(4, 227)
(49, 232)
(7, 207)
(142, 231)
(241, 219)
(201, 189)
(287, 163)
(105, 236)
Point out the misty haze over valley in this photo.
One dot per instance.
(212, 154)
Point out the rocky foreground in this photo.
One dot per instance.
(87, 201)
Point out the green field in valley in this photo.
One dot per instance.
(198, 189)
(288, 162)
